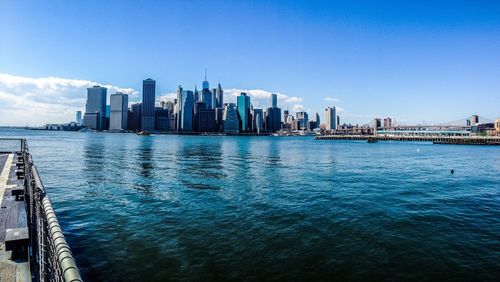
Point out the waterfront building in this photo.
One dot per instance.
(148, 105)
(330, 118)
(206, 120)
(311, 125)
(219, 96)
(258, 120)
(161, 119)
(273, 119)
(243, 102)
(134, 121)
(497, 125)
(318, 121)
(185, 111)
(302, 118)
(198, 105)
(377, 123)
(286, 113)
(230, 118)
(387, 122)
(219, 122)
(95, 109)
(118, 112)
(79, 117)
(274, 100)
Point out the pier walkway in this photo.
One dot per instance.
(32, 245)
(461, 140)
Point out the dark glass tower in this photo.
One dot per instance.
(148, 105)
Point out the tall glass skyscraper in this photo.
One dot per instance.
(244, 112)
(274, 100)
(230, 118)
(186, 107)
(95, 110)
(219, 96)
(148, 105)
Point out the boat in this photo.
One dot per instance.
(143, 133)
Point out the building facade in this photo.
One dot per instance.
(148, 105)
(330, 118)
(230, 118)
(243, 102)
(118, 119)
(95, 109)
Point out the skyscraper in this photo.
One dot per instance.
(206, 95)
(273, 119)
(79, 117)
(148, 105)
(118, 112)
(230, 118)
(302, 118)
(474, 119)
(95, 109)
(330, 118)
(134, 123)
(243, 102)
(258, 119)
(185, 112)
(318, 121)
(219, 95)
(274, 100)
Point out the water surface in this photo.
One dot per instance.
(201, 208)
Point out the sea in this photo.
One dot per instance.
(265, 208)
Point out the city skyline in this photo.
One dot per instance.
(409, 61)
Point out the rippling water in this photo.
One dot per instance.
(268, 208)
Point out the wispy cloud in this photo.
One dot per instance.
(36, 101)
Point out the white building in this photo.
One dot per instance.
(118, 112)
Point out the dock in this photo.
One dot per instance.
(32, 244)
(459, 140)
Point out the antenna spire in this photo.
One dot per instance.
(205, 74)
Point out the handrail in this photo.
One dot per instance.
(50, 257)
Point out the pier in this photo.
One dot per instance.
(458, 140)
(32, 244)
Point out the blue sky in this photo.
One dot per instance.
(415, 61)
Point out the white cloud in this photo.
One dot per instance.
(331, 99)
(37, 101)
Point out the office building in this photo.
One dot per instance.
(78, 117)
(330, 118)
(219, 96)
(318, 121)
(377, 123)
(302, 118)
(274, 100)
(162, 122)
(286, 113)
(185, 103)
(198, 105)
(258, 120)
(118, 112)
(206, 120)
(273, 119)
(219, 122)
(243, 102)
(95, 109)
(230, 118)
(148, 105)
(206, 95)
(134, 121)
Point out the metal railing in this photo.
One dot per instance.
(50, 255)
